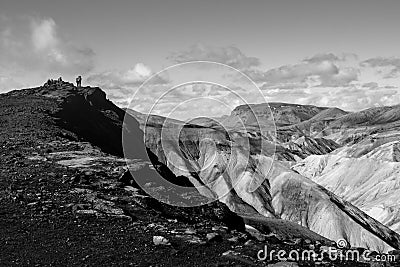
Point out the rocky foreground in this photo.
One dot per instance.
(67, 199)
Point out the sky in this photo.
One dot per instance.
(342, 53)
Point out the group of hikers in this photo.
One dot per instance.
(59, 81)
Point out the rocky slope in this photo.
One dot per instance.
(63, 201)
(365, 169)
(316, 124)
(248, 181)
(298, 147)
(280, 113)
(212, 165)
(364, 174)
(305, 146)
(353, 126)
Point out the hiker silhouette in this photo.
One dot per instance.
(79, 81)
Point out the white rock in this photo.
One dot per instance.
(160, 240)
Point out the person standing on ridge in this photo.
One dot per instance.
(79, 81)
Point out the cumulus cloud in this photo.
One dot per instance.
(125, 79)
(342, 78)
(44, 34)
(192, 100)
(59, 53)
(322, 79)
(230, 55)
(299, 72)
(319, 70)
(35, 45)
(336, 80)
(122, 84)
(352, 98)
(331, 57)
(197, 90)
(322, 57)
(331, 80)
(282, 86)
(390, 64)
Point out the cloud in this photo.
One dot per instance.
(382, 62)
(44, 34)
(335, 80)
(373, 85)
(34, 45)
(197, 90)
(322, 57)
(330, 57)
(331, 80)
(125, 79)
(59, 53)
(299, 72)
(391, 64)
(191, 100)
(122, 84)
(342, 78)
(350, 98)
(319, 70)
(284, 86)
(8, 83)
(118, 79)
(230, 55)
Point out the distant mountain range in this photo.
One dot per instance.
(311, 148)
